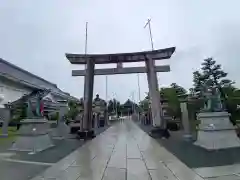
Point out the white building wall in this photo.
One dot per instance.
(11, 91)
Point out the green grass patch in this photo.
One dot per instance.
(12, 134)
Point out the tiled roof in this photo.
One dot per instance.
(22, 76)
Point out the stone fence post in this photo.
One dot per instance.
(185, 117)
(5, 115)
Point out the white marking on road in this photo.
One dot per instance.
(28, 162)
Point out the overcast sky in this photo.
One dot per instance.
(35, 35)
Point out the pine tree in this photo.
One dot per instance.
(179, 89)
(212, 75)
(198, 83)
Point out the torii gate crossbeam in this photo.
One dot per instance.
(125, 70)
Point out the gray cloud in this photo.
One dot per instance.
(35, 35)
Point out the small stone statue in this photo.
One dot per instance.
(29, 110)
(212, 100)
(217, 102)
(37, 112)
(100, 108)
(99, 103)
(207, 99)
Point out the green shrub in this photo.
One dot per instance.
(54, 116)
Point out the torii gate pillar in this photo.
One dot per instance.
(156, 109)
(88, 95)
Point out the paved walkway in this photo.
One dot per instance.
(123, 152)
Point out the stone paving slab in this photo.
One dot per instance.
(123, 152)
(115, 174)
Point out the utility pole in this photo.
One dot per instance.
(107, 120)
(86, 38)
(106, 95)
(133, 101)
(139, 91)
(85, 84)
(150, 31)
(139, 96)
(85, 51)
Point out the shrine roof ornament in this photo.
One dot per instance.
(121, 57)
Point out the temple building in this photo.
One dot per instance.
(16, 82)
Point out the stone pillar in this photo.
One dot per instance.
(62, 130)
(185, 120)
(5, 115)
(62, 111)
(154, 94)
(88, 94)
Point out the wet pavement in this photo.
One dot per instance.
(123, 152)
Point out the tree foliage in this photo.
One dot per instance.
(144, 104)
(198, 83)
(73, 109)
(170, 95)
(179, 89)
(212, 75)
(19, 113)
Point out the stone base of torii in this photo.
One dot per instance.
(150, 69)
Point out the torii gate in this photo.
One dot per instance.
(148, 56)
